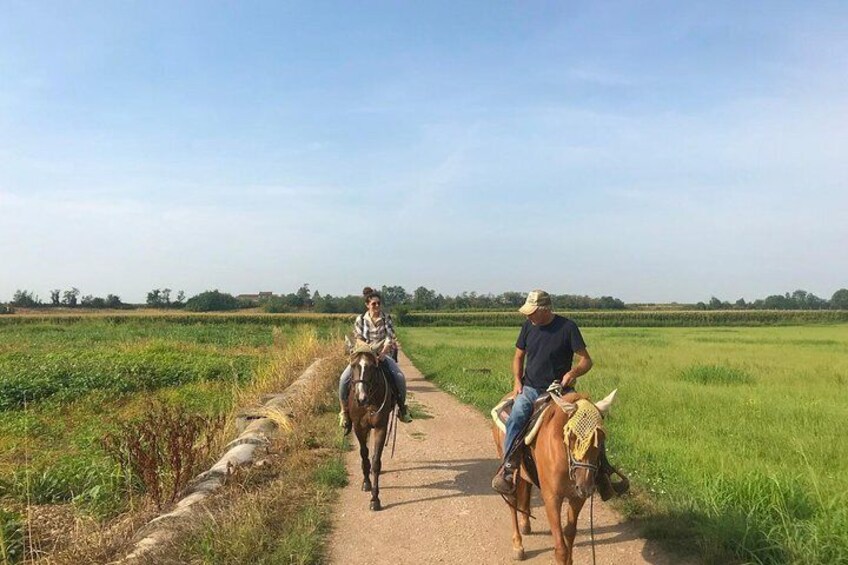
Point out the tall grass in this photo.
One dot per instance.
(734, 437)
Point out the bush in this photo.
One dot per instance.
(164, 449)
(6, 309)
(212, 301)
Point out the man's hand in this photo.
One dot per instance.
(568, 380)
(383, 352)
(517, 390)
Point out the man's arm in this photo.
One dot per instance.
(517, 370)
(580, 369)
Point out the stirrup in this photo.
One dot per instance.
(504, 481)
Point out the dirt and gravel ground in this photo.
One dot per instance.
(438, 505)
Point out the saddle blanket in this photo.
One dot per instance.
(500, 415)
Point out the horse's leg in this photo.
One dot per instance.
(523, 490)
(553, 508)
(362, 436)
(574, 507)
(517, 542)
(377, 465)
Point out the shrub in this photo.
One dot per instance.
(164, 449)
(212, 301)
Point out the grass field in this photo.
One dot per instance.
(64, 383)
(735, 438)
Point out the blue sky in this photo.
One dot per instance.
(654, 151)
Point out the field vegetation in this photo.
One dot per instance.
(76, 391)
(734, 437)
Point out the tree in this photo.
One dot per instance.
(303, 295)
(393, 295)
(113, 301)
(180, 298)
(70, 297)
(154, 298)
(25, 299)
(839, 300)
(212, 301)
(423, 298)
(55, 297)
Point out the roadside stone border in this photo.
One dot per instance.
(255, 430)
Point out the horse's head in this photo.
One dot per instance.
(363, 364)
(584, 435)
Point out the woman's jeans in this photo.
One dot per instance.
(394, 371)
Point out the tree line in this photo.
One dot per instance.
(798, 300)
(398, 299)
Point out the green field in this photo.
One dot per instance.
(65, 382)
(735, 438)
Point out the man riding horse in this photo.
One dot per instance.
(544, 353)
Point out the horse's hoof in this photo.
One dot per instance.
(375, 505)
(525, 528)
(518, 554)
(366, 486)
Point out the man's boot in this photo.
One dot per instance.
(504, 480)
(606, 488)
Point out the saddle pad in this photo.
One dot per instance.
(500, 415)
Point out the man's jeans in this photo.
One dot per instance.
(521, 412)
(394, 371)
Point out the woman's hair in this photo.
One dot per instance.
(368, 293)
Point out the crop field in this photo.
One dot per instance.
(734, 437)
(65, 383)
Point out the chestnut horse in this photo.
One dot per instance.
(562, 476)
(371, 402)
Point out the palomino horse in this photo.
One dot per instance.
(371, 402)
(566, 462)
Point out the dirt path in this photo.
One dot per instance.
(439, 506)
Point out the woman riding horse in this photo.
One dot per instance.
(372, 328)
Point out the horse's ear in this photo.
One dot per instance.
(348, 345)
(567, 407)
(604, 405)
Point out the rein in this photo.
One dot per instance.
(385, 388)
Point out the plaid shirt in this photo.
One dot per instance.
(365, 329)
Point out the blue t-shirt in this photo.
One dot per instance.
(550, 350)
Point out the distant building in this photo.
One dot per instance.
(261, 297)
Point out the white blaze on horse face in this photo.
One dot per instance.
(604, 405)
(360, 386)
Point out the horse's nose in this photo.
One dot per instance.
(584, 491)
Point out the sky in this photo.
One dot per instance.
(652, 151)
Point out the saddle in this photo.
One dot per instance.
(501, 412)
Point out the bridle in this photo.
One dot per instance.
(574, 464)
(364, 382)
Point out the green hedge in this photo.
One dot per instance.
(639, 318)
